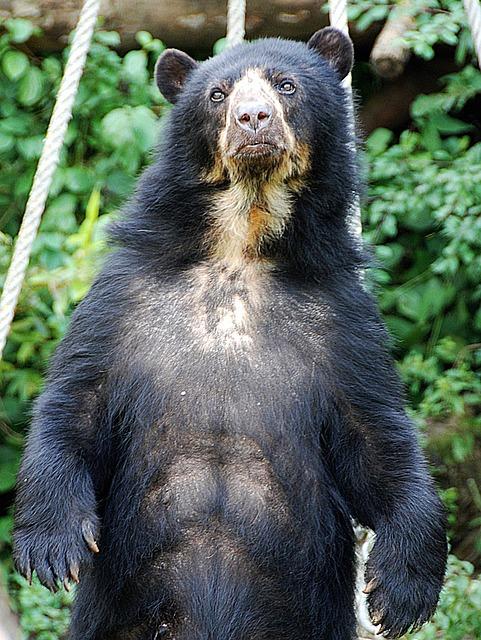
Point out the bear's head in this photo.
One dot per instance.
(262, 138)
(258, 107)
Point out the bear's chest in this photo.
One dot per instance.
(216, 320)
(234, 348)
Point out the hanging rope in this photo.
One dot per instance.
(364, 537)
(236, 19)
(338, 19)
(473, 11)
(47, 165)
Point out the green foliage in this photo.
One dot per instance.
(457, 617)
(110, 133)
(423, 214)
(43, 615)
(435, 22)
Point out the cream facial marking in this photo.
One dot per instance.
(245, 219)
(253, 85)
(264, 167)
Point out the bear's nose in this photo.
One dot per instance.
(253, 116)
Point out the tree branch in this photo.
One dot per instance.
(389, 54)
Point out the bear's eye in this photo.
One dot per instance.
(287, 87)
(216, 95)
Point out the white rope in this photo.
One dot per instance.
(364, 537)
(47, 164)
(473, 11)
(236, 18)
(338, 16)
(338, 19)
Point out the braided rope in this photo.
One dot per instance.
(338, 16)
(338, 19)
(364, 537)
(47, 165)
(236, 18)
(473, 11)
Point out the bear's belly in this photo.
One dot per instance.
(226, 478)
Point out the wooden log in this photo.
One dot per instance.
(389, 54)
(188, 24)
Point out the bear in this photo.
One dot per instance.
(224, 405)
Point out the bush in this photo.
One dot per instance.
(43, 615)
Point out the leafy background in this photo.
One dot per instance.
(422, 213)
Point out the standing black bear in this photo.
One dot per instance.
(224, 403)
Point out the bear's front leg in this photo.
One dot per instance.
(56, 526)
(372, 451)
(381, 472)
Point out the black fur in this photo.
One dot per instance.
(337, 48)
(219, 482)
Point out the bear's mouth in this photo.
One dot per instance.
(256, 150)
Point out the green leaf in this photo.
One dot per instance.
(30, 88)
(144, 126)
(20, 29)
(30, 148)
(78, 179)
(134, 67)
(375, 13)
(121, 183)
(399, 327)
(418, 219)
(426, 301)
(379, 141)
(144, 38)
(14, 64)
(6, 525)
(7, 142)
(8, 474)
(155, 46)
(60, 214)
(18, 125)
(116, 128)
(219, 46)
(430, 136)
(85, 234)
(107, 38)
(53, 67)
(446, 124)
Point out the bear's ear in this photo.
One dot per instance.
(171, 72)
(335, 47)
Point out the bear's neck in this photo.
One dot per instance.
(247, 218)
(294, 227)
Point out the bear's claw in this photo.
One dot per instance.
(89, 536)
(56, 555)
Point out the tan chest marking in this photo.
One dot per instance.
(229, 325)
(244, 220)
